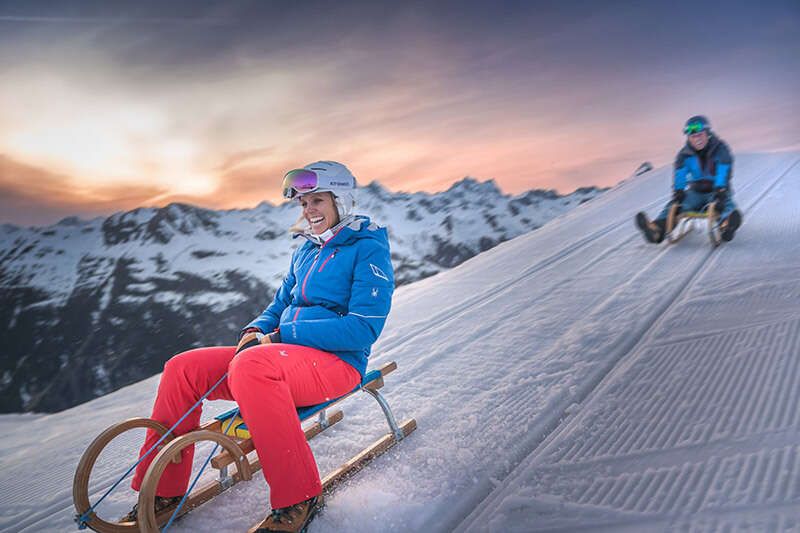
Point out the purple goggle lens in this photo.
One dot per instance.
(299, 181)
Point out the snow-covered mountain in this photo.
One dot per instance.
(90, 306)
(575, 378)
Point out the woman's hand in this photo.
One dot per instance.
(253, 337)
(272, 338)
(249, 339)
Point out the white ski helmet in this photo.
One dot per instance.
(329, 176)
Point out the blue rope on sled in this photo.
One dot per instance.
(83, 519)
(197, 477)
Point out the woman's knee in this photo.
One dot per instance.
(177, 365)
(191, 365)
(257, 361)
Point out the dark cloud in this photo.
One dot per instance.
(414, 94)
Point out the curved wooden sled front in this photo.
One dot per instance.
(679, 225)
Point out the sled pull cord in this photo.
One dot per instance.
(197, 477)
(83, 519)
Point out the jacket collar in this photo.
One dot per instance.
(710, 148)
(349, 222)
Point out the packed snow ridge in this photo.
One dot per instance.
(575, 378)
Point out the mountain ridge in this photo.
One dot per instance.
(140, 285)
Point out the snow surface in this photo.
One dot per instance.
(573, 378)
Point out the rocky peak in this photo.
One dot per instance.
(469, 185)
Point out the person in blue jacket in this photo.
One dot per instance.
(702, 175)
(310, 345)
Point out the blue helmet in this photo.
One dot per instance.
(696, 124)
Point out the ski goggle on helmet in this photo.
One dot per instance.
(696, 124)
(323, 176)
(318, 177)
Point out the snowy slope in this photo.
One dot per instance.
(571, 378)
(697, 428)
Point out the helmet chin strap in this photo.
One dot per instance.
(344, 209)
(326, 235)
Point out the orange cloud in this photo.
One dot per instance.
(33, 195)
(97, 138)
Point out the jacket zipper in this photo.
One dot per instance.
(328, 259)
(310, 270)
(308, 275)
(303, 286)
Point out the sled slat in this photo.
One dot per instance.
(360, 460)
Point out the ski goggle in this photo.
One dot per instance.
(694, 127)
(303, 181)
(299, 181)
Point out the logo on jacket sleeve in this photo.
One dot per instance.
(378, 272)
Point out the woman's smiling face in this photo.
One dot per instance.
(320, 211)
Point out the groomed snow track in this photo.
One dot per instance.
(697, 426)
(575, 378)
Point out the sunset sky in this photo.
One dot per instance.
(107, 106)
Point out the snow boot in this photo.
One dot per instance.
(653, 231)
(161, 503)
(292, 519)
(730, 225)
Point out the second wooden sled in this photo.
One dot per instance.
(230, 432)
(681, 224)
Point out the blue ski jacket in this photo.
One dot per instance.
(336, 297)
(705, 170)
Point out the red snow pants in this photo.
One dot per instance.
(268, 382)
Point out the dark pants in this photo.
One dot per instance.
(697, 201)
